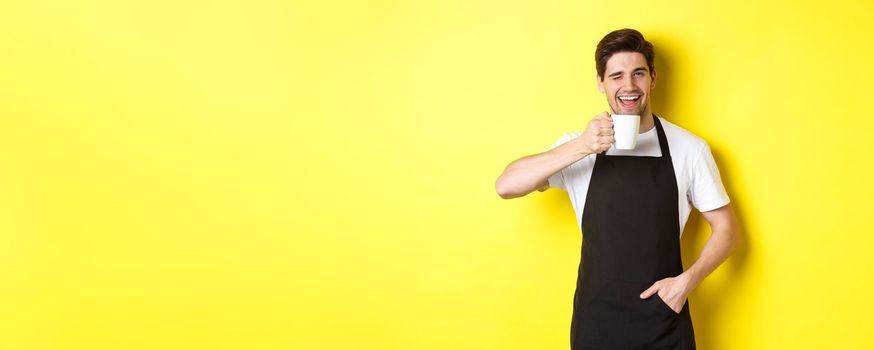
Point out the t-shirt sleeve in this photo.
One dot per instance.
(706, 191)
(557, 180)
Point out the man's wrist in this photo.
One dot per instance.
(693, 277)
(575, 149)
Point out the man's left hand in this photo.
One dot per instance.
(673, 290)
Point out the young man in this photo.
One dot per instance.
(632, 206)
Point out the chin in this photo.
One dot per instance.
(638, 111)
(630, 112)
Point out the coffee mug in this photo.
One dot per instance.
(625, 130)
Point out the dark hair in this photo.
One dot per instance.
(623, 40)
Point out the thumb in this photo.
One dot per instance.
(650, 291)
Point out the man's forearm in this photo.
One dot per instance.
(717, 249)
(525, 174)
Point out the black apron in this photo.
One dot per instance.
(631, 239)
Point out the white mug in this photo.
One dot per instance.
(625, 130)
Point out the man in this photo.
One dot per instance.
(632, 206)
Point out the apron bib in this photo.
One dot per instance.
(631, 233)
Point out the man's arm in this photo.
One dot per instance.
(531, 173)
(719, 246)
(723, 239)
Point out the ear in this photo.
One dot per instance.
(653, 75)
(600, 83)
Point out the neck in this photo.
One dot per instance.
(646, 122)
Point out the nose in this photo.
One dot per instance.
(628, 83)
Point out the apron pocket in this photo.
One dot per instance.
(617, 313)
(663, 304)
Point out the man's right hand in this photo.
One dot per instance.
(598, 135)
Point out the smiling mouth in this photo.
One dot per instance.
(629, 101)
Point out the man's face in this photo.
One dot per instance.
(627, 83)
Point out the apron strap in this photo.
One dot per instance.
(663, 140)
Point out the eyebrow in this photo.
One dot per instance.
(635, 70)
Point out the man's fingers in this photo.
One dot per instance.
(605, 131)
(650, 291)
(600, 132)
(600, 120)
(605, 123)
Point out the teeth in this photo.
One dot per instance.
(628, 98)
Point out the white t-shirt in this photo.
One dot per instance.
(698, 179)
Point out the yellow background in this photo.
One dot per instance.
(320, 175)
